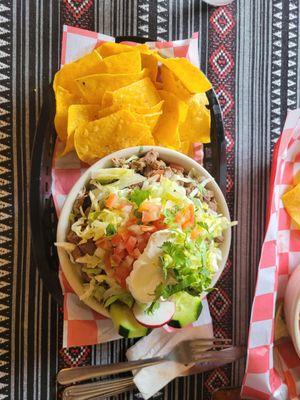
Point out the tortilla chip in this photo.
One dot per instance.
(151, 119)
(107, 99)
(111, 48)
(166, 132)
(143, 115)
(291, 202)
(144, 49)
(149, 110)
(186, 147)
(141, 94)
(104, 112)
(172, 84)
(149, 61)
(280, 329)
(93, 87)
(78, 114)
(122, 63)
(65, 77)
(93, 140)
(63, 100)
(191, 77)
(196, 126)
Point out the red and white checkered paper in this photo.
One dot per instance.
(273, 372)
(82, 326)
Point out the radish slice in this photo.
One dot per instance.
(160, 316)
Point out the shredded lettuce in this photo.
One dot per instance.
(104, 278)
(124, 297)
(107, 175)
(137, 196)
(192, 263)
(90, 261)
(91, 271)
(168, 189)
(117, 177)
(98, 292)
(88, 289)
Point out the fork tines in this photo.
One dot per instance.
(208, 343)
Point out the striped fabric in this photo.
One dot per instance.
(250, 51)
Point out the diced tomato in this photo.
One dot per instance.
(150, 211)
(125, 206)
(149, 216)
(186, 217)
(125, 235)
(107, 263)
(130, 244)
(147, 236)
(142, 243)
(148, 228)
(136, 230)
(121, 274)
(159, 224)
(117, 258)
(179, 217)
(111, 201)
(127, 263)
(195, 234)
(116, 240)
(120, 251)
(190, 217)
(104, 243)
(149, 207)
(131, 221)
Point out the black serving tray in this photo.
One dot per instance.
(42, 212)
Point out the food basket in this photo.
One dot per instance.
(42, 210)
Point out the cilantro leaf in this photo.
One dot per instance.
(110, 230)
(137, 196)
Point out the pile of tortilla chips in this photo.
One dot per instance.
(121, 96)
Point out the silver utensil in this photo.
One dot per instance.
(100, 390)
(103, 389)
(185, 352)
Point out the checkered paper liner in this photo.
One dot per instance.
(273, 372)
(83, 326)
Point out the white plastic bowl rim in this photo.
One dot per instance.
(72, 271)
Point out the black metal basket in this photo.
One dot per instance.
(42, 212)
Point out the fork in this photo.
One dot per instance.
(185, 352)
(103, 389)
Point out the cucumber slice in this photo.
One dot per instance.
(124, 321)
(188, 309)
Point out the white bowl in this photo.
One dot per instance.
(72, 271)
(292, 307)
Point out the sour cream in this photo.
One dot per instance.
(147, 273)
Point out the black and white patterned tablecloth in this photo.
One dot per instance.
(251, 52)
